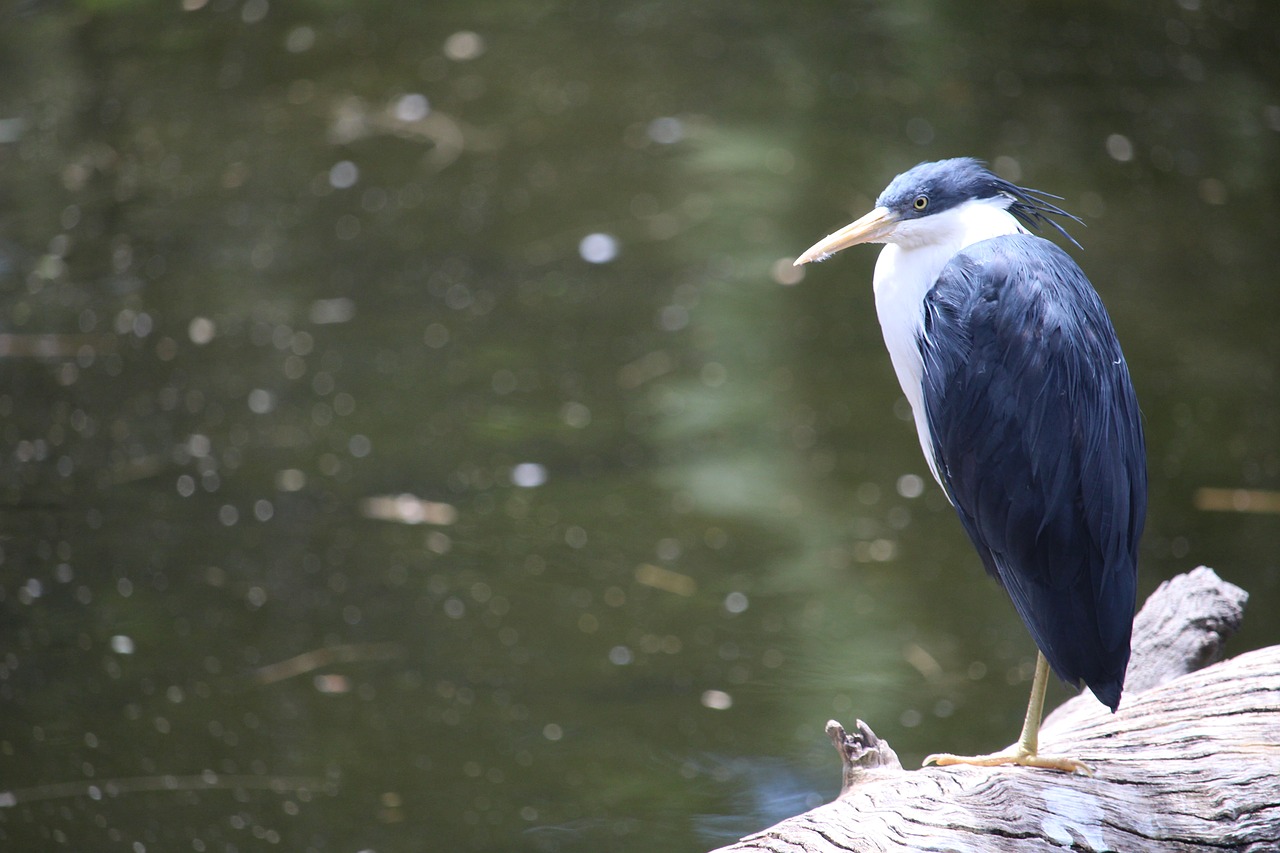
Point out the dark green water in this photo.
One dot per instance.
(264, 267)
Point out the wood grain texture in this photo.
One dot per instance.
(1190, 762)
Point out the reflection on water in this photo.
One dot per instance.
(416, 436)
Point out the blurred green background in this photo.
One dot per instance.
(415, 436)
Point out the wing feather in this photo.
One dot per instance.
(1038, 439)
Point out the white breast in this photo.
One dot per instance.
(905, 271)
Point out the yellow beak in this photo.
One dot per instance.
(872, 228)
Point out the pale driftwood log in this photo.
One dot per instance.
(1190, 762)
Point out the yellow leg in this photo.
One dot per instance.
(1023, 753)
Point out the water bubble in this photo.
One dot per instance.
(598, 248)
(784, 271)
(1120, 147)
(435, 336)
(254, 11)
(717, 700)
(673, 318)
(360, 446)
(666, 130)
(32, 590)
(1007, 167)
(290, 480)
(575, 415)
(529, 475)
(201, 330)
(339, 310)
(412, 107)
(463, 45)
(910, 486)
(261, 401)
(300, 39)
(344, 175)
(919, 131)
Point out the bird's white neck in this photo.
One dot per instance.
(905, 271)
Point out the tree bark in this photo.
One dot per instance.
(1190, 762)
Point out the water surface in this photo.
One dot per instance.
(416, 438)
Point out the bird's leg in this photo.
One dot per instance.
(1023, 753)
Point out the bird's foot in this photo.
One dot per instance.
(1012, 755)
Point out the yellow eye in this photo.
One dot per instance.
(921, 202)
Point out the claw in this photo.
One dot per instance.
(1012, 756)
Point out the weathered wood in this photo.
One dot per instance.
(1190, 762)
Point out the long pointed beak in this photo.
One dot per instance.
(872, 228)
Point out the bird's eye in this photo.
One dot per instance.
(921, 202)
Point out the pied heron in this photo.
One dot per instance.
(1024, 409)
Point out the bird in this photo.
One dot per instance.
(1025, 411)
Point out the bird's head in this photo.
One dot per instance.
(917, 203)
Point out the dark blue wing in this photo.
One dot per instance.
(1039, 444)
